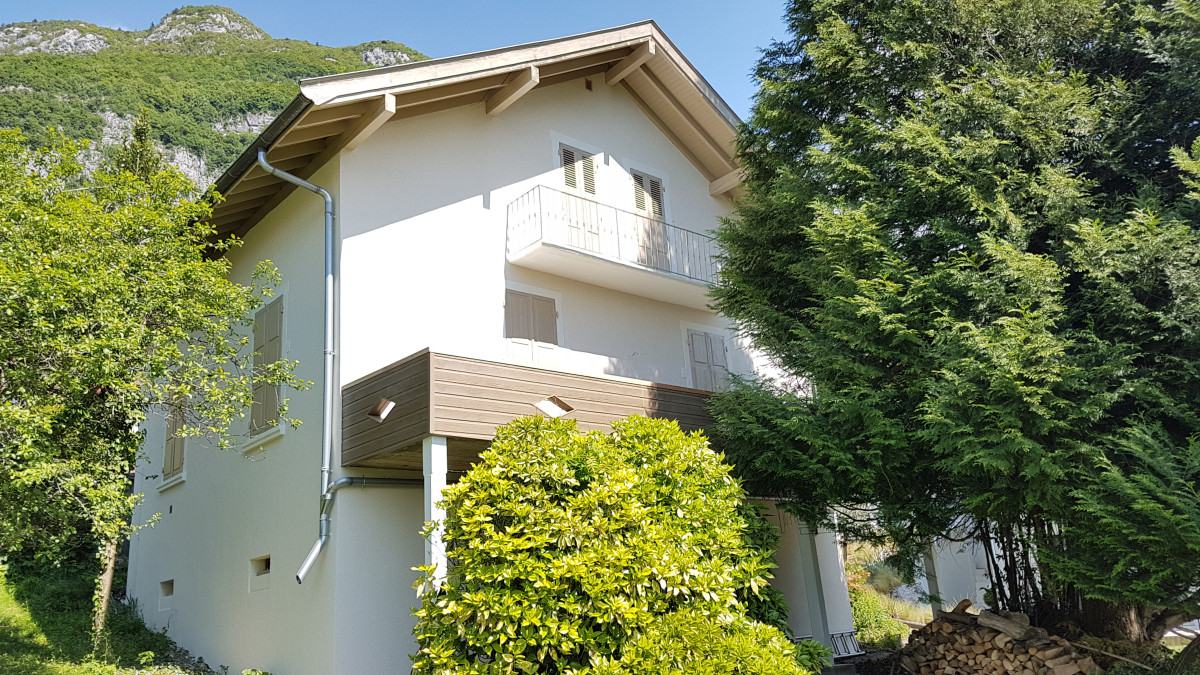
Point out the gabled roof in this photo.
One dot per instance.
(338, 112)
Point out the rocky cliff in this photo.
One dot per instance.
(208, 77)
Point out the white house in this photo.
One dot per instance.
(511, 225)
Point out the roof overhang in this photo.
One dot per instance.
(339, 112)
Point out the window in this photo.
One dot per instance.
(579, 170)
(710, 366)
(260, 571)
(531, 317)
(173, 455)
(268, 348)
(166, 595)
(647, 195)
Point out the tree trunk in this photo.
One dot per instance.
(1137, 623)
(108, 558)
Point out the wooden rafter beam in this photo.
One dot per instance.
(726, 183)
(722, 151)
(630, 63)
(333, 114)
(517, 86)
(370, 122)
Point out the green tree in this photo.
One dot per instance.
(112, 305)
(965, 233)
(590, 553)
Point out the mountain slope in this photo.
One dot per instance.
(208, 76)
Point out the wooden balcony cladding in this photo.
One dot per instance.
(466, 399)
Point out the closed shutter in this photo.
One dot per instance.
(710, 365)
(647, 195)
(719, 361)
(579, 169)
(570, 177)
(173, 455)
(268, 348)
(530, 317)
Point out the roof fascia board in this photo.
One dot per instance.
(398, 79)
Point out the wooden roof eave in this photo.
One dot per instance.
(340, 111)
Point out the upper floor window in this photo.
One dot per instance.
(268, 348)
(173, 454)
(530, 316)
(579, 170)
(710, 365)
(647, 195)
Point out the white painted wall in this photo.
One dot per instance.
(233, 507)
(424, 221)
(422, 210)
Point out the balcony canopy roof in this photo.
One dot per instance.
(339, 112)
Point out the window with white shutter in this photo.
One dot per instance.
(268, 348)
(710, 364)
(579, 170)
(173, 454)
(531, 317)
(647, 195)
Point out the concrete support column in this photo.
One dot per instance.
(795, 578)
(835, 593)
(434, 463)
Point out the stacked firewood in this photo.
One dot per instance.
(963, 642)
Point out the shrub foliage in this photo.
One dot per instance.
(577, 552)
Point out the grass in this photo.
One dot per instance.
(45, 628)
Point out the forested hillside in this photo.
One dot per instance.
(208, 77)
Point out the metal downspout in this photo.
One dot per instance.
(329, 386)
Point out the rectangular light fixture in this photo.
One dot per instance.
(381, 409)
(553, 406)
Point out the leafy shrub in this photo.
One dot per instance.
(585, 553)
(813, 656)
(767, 604)
(690, 642)
(873, 626)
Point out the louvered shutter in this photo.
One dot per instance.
(589, 174)
(268, 347)
(647, 195)
(570, 179)
(655, 189)
(579, 170)
(173, 455)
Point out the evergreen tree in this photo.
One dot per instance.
(968, 229)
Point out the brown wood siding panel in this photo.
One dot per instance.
(466, 399)
(471, 398)
(407, 384)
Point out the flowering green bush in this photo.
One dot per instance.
(576, 553)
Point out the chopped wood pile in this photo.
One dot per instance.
(1003, 642)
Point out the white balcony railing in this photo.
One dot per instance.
(549, 216)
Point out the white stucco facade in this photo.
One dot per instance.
(423, 214)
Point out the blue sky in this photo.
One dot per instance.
(721, 39)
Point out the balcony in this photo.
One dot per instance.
(577, 238)
(465, 400)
